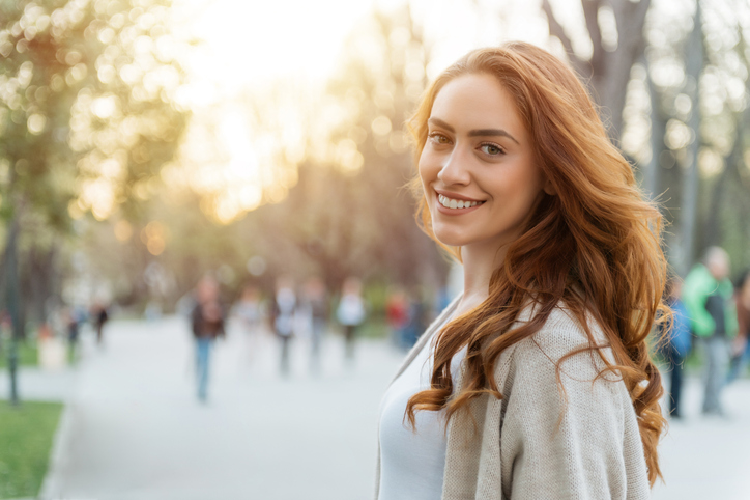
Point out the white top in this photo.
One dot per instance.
(411, 462)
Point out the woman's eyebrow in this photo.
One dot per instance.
(487, 132)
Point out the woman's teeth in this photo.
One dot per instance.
(456, 204)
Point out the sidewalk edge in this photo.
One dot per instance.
(50, 487)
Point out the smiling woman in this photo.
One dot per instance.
(536, 382)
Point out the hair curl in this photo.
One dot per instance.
(594, 245)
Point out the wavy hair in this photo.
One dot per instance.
(595, 244)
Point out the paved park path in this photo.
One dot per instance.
(133, 429)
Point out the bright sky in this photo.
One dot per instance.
(253, 42)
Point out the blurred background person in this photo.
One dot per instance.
(397, 315)
(100, 316)
(675, 346)
(707, 293)
(72, 331)
(153, 311)
(741, 344)
(248, 311)
(419, 313)
(283, 310)
(208, 324)
(351, 313)
(317, 299)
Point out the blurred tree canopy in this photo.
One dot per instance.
(87, 119)
(337, 202)
(351, 212)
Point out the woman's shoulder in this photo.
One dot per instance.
(562, 330)
(562, 342)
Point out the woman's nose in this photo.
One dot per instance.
(454, 170)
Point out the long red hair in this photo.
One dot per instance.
(594, 245)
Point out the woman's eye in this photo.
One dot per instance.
(439, 138)
(492, 150)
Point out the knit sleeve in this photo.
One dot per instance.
(578, 443)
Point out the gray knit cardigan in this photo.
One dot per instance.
(539, 443)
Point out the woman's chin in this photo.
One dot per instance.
(449, 239)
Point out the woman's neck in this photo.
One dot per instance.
(478, 266)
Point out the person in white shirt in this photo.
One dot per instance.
(351, 313)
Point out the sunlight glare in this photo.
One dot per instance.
(256, 42)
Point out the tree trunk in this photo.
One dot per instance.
(712, 236)
(38, 282)
(689, 203)
(607, 72)
(652, 176)
(13, 302)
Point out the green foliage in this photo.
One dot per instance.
(87, 120)
(87, 103)
(26, 437)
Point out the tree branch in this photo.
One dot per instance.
(591, 15)
(556, 29)
(630, 20)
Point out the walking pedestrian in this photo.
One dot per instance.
(72, 330)
(317, 301)
(208, 324)
(397, 316)
(536, 382)
(351, 313)
(250, 314)
(676, 345)
(284, 305)
(100, 319)
(708, 296)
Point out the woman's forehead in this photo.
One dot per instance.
(476, 101)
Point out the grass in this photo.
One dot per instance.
(26, 435)
(27, 353)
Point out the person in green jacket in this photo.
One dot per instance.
(707, 294)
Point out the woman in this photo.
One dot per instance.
(536, 383)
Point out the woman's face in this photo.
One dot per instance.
(477, 167)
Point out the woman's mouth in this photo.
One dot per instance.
(454, 204)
